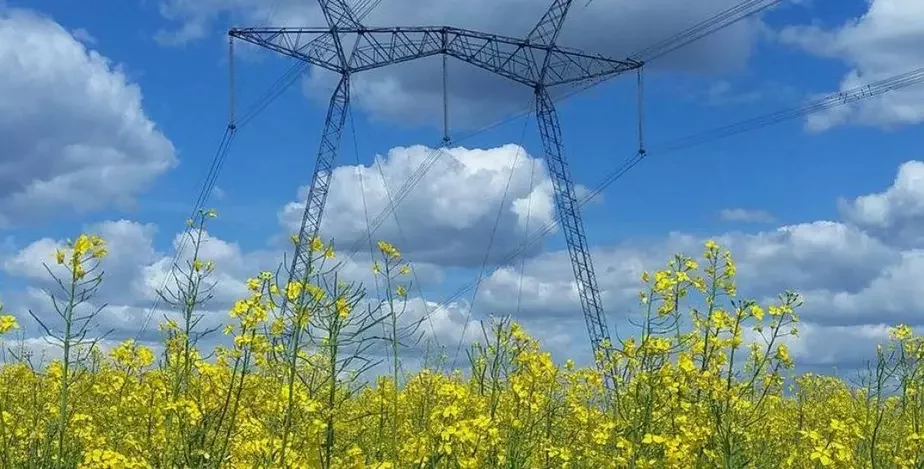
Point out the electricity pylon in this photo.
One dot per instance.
(537, 62)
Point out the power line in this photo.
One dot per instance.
(417, 282)
(487, 254)
(702, 29)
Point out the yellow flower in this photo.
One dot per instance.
(900, 332)
(7, 323)
(316, 293)
(131, 355)
(685, 363)
(389, 250)
(99, 252)
(277, 327)
(82, 245)
(342, 307)
(782, 354)
(294, 290)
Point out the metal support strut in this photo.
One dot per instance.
(569, 214)
(641, 112)
(445, 103)
(320, 181)
(231, 106)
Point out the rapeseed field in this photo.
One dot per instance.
(704, 381)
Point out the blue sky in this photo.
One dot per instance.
(166, 107)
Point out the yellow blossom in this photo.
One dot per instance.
(389, 250)
(7, 323)
(342, 307)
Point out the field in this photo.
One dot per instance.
(705, 381)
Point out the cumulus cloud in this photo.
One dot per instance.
(883, 42)
(450, 215)
(129, 244)
(43, 349)
(896, 214)
(893, 296)
(74, 133)
(134, 271)
(810, 256)
(412, 91)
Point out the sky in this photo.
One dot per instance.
(110, 119)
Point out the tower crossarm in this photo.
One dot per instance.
(313, 45)
(513, 58)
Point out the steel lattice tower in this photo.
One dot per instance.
(537, 62)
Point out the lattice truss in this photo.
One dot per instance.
(536, 61)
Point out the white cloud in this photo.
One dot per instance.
(73, 130)
(129, 244)
(444, 323)
(746, 215)
(134, 271)
(44, 349)
(853, 284)
(897, 214)
(824, 347)
(811, 256)
(893, 296)
(821, 254)
(449, 216)
(883, 42)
